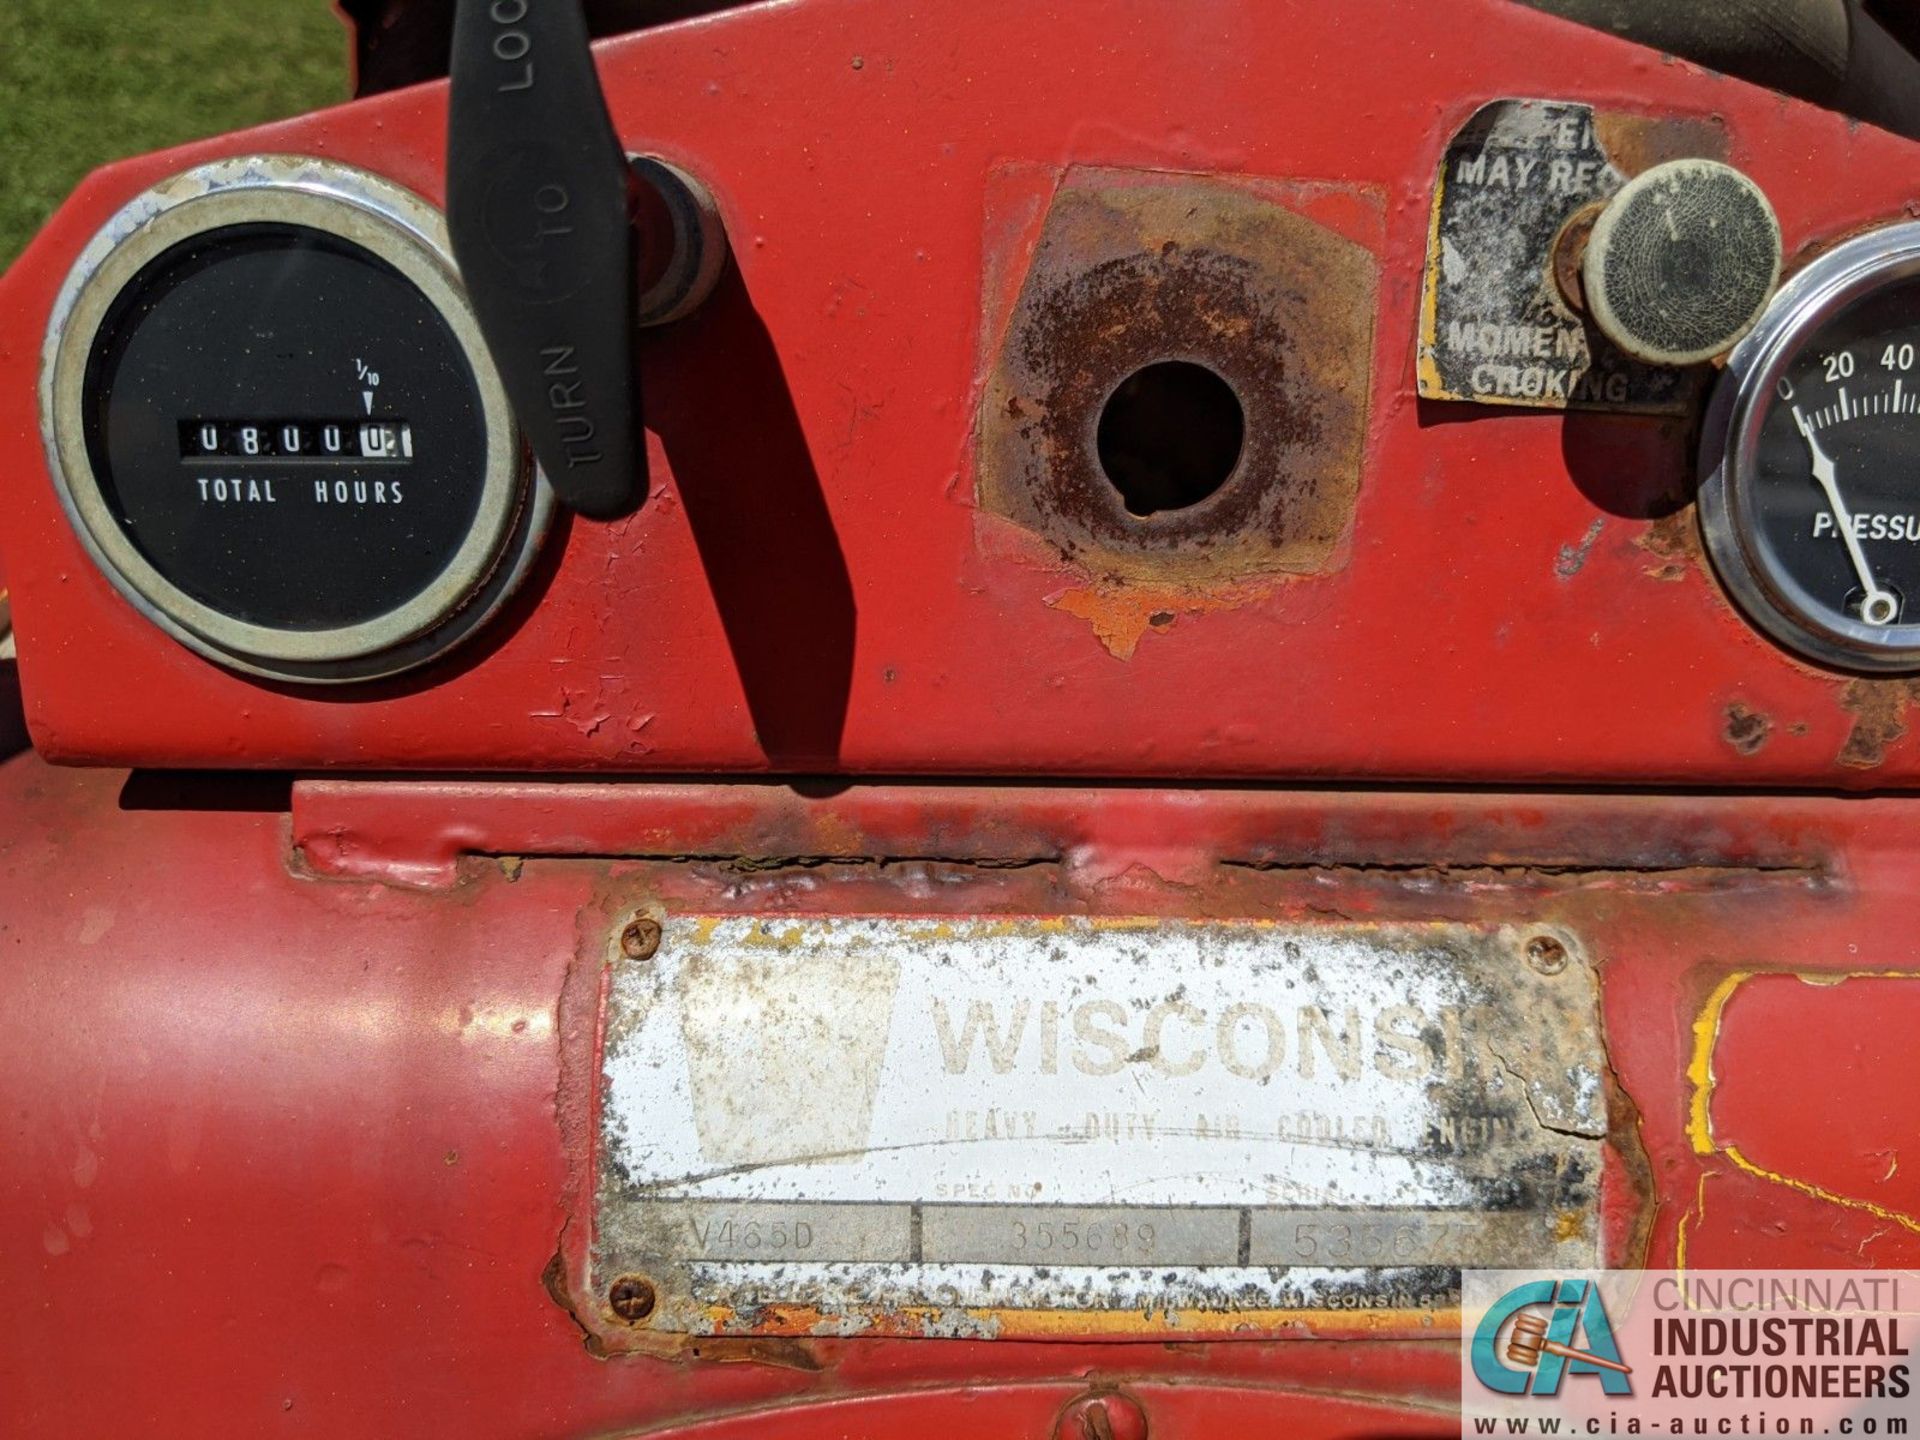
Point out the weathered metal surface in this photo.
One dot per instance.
(815, 586)
(195, 1020)
(1796, 1111)
(322, 1141)
(1516, 195)
(421, 832)
(825, 1126)
(1069, 1411)
(1135, 269)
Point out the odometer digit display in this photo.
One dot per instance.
(293, 519)
(276, 427)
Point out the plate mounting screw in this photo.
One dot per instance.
(641, 938)
(1102, 1415)
(1546, 954)
(631, 1297)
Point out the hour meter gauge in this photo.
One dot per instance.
(273, 422)
(1810, 497)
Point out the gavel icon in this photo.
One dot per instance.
(1529, 1342)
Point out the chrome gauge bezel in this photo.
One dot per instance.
(398, 227)
(1729, 458)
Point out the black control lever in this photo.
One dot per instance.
(540, 206)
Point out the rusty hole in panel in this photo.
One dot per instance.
(1120, 317)
(1169, 436)
(1239, 295)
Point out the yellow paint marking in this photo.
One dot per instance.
(1706, 1033)
(1805, 1187)
(1698, 1215)
(1569, 1225)
(1426, 368)
(1706, 1030)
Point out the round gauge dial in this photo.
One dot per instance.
(276, 428)
(1811, 459)
(285, 427)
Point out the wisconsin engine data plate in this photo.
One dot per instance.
(1057, 1126)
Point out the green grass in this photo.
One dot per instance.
(83, 82)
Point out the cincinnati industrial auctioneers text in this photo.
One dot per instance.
(1789, 1336)
(1688, 1353)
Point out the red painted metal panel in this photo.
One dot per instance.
(299, 1089)
(813, 586)
(1813, 1090)
(292, 1146)
(298, 1152)
(1048, 1410)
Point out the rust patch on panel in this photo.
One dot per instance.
(1123, 614)
(1635, 143)
(1138, 269)
(1879, 710)
(1746, 729)
(1674, 543)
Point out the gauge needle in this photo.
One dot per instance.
(1879, 607)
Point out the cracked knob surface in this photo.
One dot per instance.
(1682, 262)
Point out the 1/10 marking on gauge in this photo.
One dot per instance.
(338, 441)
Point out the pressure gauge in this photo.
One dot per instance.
(1811, 459)
(274, 425)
